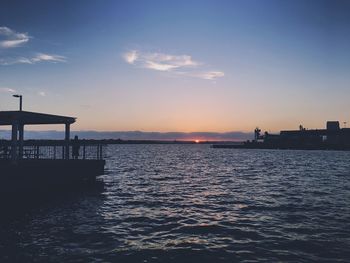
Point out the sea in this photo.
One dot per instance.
(193, 203)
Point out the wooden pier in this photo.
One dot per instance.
(44, 165)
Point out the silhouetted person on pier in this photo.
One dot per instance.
(75, 147)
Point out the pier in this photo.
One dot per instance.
(28, 165)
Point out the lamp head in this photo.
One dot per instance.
(16, 96)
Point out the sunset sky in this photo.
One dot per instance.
(178, 65)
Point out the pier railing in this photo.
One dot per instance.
(54, 150)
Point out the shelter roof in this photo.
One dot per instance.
(32, 118)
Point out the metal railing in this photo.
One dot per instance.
(54, 150)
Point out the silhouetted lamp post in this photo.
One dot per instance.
(20, 100)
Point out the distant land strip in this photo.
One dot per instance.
(136, 135)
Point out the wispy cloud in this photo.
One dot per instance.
(10, 38)
(131, 56)
(159, 61)
(12, 61)
(178, 64)
(42, 93)
(47, 57)
(210, 75)
(7, 90)
(160, 66)
(40, 57)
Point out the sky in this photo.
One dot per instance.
(178, 66)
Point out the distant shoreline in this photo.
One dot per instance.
(136, 135)
(119, 141)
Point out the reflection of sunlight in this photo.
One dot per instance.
(153, 242)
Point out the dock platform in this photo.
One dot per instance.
(45, 165)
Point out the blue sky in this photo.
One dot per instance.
(178, 65)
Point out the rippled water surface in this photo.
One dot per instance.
(183, 203)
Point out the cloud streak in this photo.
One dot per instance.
(40, 57)
(11, 39)
(210, 75)
(177, 64)
(47, 57)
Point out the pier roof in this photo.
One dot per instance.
(32, 118)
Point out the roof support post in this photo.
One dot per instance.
(14, 141)
(21, 135)
(67, 139)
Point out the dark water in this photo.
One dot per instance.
(185, 203)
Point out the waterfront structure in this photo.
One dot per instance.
(28, 165)
(331, 138)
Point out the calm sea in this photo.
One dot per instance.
(189, 203)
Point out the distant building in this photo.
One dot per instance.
(333, 125)
(333, 137)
